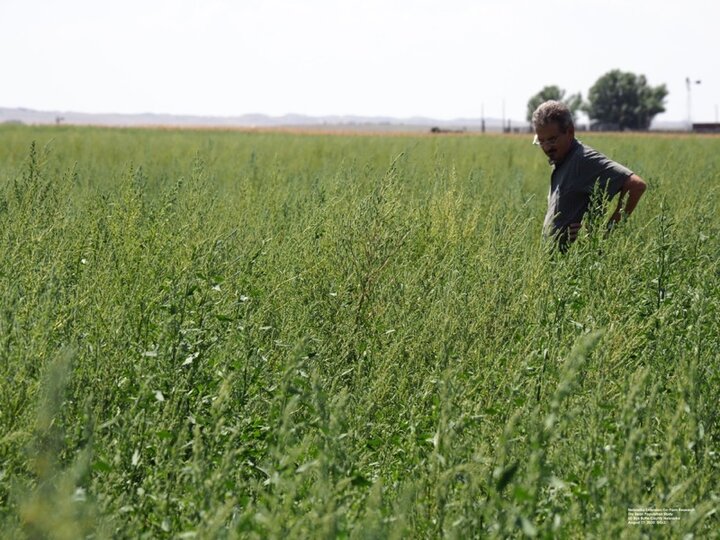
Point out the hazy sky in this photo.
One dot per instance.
(443, 58)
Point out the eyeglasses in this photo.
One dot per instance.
(548, 142)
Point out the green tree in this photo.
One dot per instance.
(625, 100)
(573, 101)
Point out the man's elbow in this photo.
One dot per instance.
(636, 185)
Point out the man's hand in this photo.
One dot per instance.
(633, 187)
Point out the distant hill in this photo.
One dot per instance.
(329, 123)
(348, 122)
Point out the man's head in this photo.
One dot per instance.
(554, 129)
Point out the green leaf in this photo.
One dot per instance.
(101, 466)
(506, 476)
(359, 480)
(521, 495)
(374, 443)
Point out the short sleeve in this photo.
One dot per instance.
(607, 174)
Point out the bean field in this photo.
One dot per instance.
(218, 334)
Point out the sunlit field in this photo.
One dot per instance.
(216, 334)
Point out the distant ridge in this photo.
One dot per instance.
(416, 123)
(250, 121)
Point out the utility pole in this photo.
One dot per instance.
(688, 84)
(503, 115)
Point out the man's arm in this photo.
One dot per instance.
(633, 187)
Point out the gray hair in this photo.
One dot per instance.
(553, 112)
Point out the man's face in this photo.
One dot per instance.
(554, 143)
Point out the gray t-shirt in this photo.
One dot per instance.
(572, 183)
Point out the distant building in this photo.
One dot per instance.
(604, 126)
(436, 129)
(706, 127)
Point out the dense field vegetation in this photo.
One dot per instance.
(220, 335)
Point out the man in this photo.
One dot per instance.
(578, 171)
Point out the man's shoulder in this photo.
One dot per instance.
(588, 152)
(589, 157)
(592, 162)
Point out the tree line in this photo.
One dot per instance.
(618, 100)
